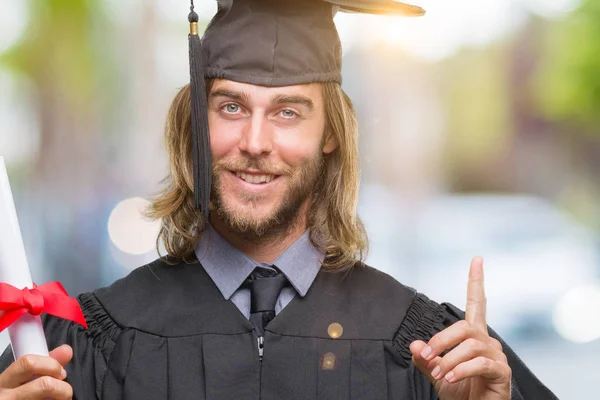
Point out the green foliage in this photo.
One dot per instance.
(568, 83)
(475, 91)
(58, 49)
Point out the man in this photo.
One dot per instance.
(264, 295)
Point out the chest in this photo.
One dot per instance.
(216, 366)
(334, 343)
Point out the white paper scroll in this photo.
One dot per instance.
(27, 333)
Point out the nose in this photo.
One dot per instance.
(257, 137)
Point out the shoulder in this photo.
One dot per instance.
(362, 288)
(414, 315)
(366, 280)
(159, 298)
(111, 307)
(373, 305)
(138, 289)
(366, 276)
(153, 277)
(379, 285)
(420, 314)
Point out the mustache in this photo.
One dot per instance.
(241, 164)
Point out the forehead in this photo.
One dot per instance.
(256, 92)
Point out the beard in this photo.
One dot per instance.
(301, 182)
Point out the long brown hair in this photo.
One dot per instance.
(333, 222)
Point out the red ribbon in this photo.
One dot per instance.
(51, 298)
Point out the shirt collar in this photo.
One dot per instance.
(229, 267)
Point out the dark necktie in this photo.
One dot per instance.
(265, 287)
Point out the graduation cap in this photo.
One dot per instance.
(267, 43)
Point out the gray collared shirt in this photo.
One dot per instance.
(229, 267)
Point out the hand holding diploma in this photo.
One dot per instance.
(18, 383)
(21, 303)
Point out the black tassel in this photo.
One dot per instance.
(200, 135)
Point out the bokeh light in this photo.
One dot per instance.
(577, 314)
(328, 362)
(447, 26)
(129, 230)
(13, 22)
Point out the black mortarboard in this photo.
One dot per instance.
(267, 43)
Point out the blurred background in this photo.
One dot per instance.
(480, 135)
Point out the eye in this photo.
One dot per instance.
(231, 108)
(287, 113)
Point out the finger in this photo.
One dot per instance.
(476, 301)
(44, 387)
(495, 343)
(467, 350)
(452, 336)
(480, 366)
(29, 366)
(63, 354)
(423, 365)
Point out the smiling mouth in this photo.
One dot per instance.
(255, 178)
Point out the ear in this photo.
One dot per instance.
(330, 144)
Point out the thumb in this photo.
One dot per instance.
(62, 354)
(422, 364)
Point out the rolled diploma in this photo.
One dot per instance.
(27, 333)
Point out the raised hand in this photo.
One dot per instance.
(476, 369)
(34, 377)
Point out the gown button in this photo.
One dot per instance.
(335, 330)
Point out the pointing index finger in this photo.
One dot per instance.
(476, 301)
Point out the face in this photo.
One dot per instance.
(267, 145)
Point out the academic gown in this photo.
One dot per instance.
(166, 332)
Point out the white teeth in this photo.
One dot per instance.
(255, 178)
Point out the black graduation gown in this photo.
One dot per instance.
(165, 332)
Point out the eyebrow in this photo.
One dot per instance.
(240, 96)
(302, 100)
(279, 99)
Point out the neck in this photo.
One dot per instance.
(268, 247)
